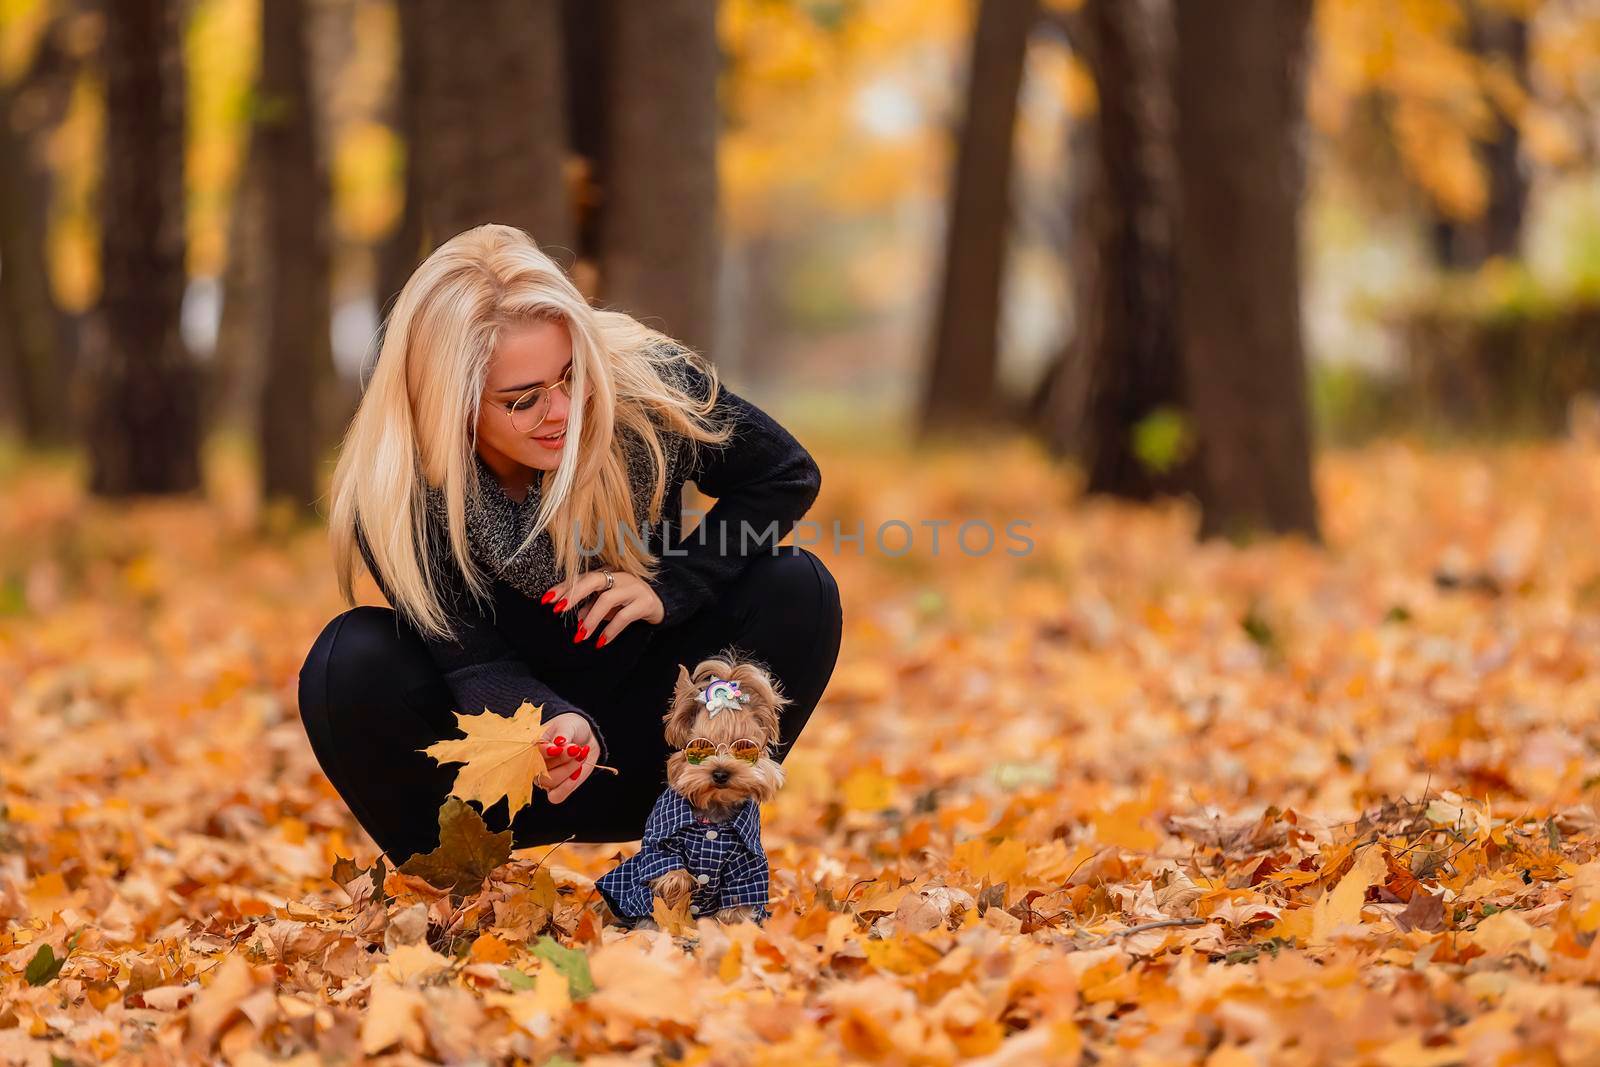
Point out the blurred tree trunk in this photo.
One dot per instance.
(233, 389)
(761, 312)
(589, 29)
(299, 360)
(143, 427)
(1056, 409)
(1497, 36)
(659, 227)
(34, 356)
(36, 346)
(405, 248)
(1122, 370)
(960, 388)
(491, 122)
(1240, 80)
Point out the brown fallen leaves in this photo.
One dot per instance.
(1124, 799)
(467, 853)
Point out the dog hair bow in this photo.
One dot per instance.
(722, 693)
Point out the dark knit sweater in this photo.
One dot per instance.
(760, 476)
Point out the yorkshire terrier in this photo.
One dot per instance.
(703, 838)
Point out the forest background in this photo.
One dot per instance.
(1278, 320)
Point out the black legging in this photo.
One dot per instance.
(371, 697)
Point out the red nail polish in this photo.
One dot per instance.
(574, 750)
(580, 635)
(551, 595)
(576, 773)
(602, 642)
(561, 605)
(553, 750)
(583, 751)
(558, 739)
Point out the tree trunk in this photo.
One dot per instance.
(34, 354)
(961, 385)
(299, 364)
(659, 228)
(1123, 369)
(233, 388)
(1240, 79)
(405, 248)
(491, 121)
(758, 314)
(36, 339)
(144, 413)
(589, 28)
(1494, 36)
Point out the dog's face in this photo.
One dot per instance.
(724, 779)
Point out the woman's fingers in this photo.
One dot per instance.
(558, 769)
(611, 610)
(564, 596)
(628, 613)
(564, 742)
(575, 777)
(603, 606)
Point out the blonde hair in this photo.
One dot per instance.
(415, 426)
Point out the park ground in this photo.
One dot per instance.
(1124, 798)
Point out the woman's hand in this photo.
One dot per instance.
(568, 762)
(631, 599)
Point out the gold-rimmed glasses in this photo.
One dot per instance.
(701, 749)
(528, 410)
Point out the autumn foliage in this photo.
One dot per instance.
(1126, 798)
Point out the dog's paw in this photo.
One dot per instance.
(674, 887)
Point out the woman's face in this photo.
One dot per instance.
(534, 354)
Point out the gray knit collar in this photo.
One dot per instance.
(497, 524)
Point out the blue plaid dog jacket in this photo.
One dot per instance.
(726, 860)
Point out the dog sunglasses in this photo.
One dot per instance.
(700, 749)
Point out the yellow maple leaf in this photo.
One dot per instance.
(394, 1013)
(902, 954)
(1004, 861)
(411, 964)
(672, 920)
(502, 756)
(1341, 905)
(1124, 826)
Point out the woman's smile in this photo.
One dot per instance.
(527, 356)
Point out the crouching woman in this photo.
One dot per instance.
(513, 480)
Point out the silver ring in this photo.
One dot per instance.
(611, 580)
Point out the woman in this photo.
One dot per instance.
(513, 481)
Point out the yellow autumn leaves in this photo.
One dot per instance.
(1055, 809)
(502, 756)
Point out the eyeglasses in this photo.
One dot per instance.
(528, 410)
(701, 749)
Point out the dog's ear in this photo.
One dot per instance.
(679, 718)
(767, 697)
(766, 718)
(685, 686)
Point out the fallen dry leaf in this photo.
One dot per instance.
(467, 851)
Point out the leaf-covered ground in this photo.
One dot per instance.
(1123, 799)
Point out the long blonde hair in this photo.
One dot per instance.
(416, 424)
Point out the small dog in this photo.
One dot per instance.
(703, 838)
